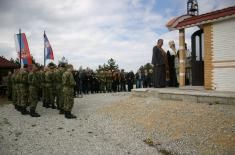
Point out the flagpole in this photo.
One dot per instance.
(44, 48)
(20, 46)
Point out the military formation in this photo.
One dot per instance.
(54, 86)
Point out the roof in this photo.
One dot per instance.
(4, 63)
(202, 19)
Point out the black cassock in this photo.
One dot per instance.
(159, 70)
(172, 71)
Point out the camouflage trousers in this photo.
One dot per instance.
(33, 97)
(102, 86)
(68, 98)
(109, 86)
(14, 93)
(48, 94)
(23, 95)
(59, 96)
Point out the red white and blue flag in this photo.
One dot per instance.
(48, 50)
(22, 46)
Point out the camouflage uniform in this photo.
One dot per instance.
(43, 88)
(33, 90)
(59, 93)
(17, 87)
(68, 88)
(54, 93)
(14, 99)
(9, 87)
(68, 91)
(48, 94)
(109, 81)
(102, 81)
(23, 88)
(23, 91)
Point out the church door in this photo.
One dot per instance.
(198, 58)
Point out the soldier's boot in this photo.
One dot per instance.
(19, 108)
(61, 111)
(68, 115)
(33, 113)
(44, 104)
(53, 106)
(47, 105)
(24, 111)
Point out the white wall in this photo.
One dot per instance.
(223, 58)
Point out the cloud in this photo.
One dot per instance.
(89, 32)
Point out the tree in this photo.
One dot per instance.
(112, 64)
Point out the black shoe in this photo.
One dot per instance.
(47, 105)
(33, 113)
(24, 111)
(68, 115)
(53, 106)
(44, 104)
(61, 111)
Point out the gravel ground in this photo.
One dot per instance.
(179, 127)
(121, 124)
(93, 132)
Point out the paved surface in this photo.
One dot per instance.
(189, 94)
(92, 133)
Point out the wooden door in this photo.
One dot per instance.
(198, 58)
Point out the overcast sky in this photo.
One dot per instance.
(89, 32)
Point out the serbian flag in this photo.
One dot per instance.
(22, 46)
(48, 50)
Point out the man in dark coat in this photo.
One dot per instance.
(159, 61)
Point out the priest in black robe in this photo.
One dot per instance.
(160, 69)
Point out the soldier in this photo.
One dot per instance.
(43, 83)
(17, 89)
(59, 93)
(109, 81)
(49, 98)
(9, 86)
(14, 89)
(33, 80)
(102, 81)
(68, 88)
(23, 90)
(123, 80)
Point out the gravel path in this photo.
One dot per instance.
(93, 132)
(121, 124)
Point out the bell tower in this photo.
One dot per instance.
(192, 7)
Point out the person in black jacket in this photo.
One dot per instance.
(130, 80)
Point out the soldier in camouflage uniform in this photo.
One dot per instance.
(9, 86)
(59, 93)
(14, 89)
(17, 88)
(68, 88)
(49, 98)
(23, 90)
(43, 83)
(102, 81)
(109, 81)
(33, 80)
(53, 86)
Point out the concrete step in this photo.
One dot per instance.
(187, 94)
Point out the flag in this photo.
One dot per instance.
(48, 50)
(22, 46)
